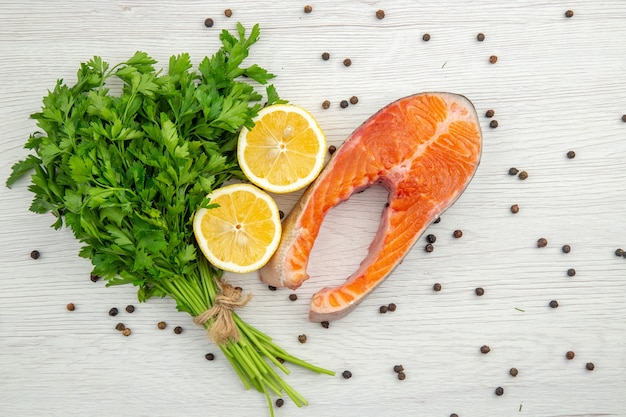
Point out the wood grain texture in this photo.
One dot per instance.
(558, 85)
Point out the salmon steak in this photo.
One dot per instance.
(424, 149)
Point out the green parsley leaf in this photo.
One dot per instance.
(126, 172)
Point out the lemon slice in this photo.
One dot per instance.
(284, 151)
(242, 233)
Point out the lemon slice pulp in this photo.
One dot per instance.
(284, 151)
(243, 232)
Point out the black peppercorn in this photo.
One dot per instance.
(571, 154)
(347, 62)
(513, 372)
(380, 14)
(489, 113)
(302, 338)
(281, 360)
(35, 254)
(493, 59)
(293, 297)
(429, 247)
(493, 124)
(484, 349)
(325, 324)
(178, 330)
(281, 214)
(569, 13)
(332, 149)
(454, 415)
(130, 308)
(228, 12)
(326, 104)
(515, 208)
(346, 374)
(325, 56)
(354, 100)
(209, 356)
(126, 332)
(161, 325)
(120, 326)
(542, 242)
(113, 312)
(70, 307)
(308, 8)
(571, 272)
(280, 402)
(590, 366)
(570, 355)
(619, 252)
(392, 307)
(271, 288)
(343, 104)
(513, 171)
(499, 391)
(554, 304)
(566, 248)
(523, 175)
(383, 309)
(624, 118)
(458, 234)
(479, 291)
(437, 220)
(431, 238)
(398, 368)
(480, 37)
(426, 37)
(94, 277)
(437, 287)
(208, 22)
(401, 376)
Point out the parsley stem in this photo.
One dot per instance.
(207, 278)
(269, 402)
(245, 361)
(245, 381)
(197, 293)
(252, 330)
(271, 350)
(260, 345)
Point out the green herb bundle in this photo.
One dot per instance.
(126, 172)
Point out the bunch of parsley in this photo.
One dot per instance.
(126, 173)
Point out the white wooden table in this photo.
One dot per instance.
(558, 85)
